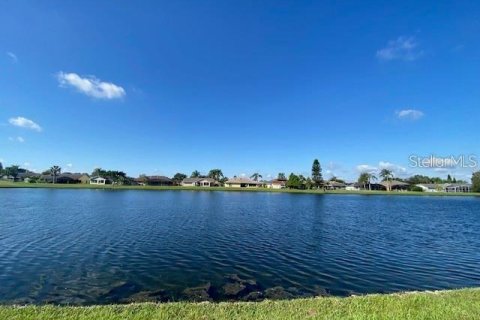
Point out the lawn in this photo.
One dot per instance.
(455, 304)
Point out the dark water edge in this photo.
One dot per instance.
(84, 247)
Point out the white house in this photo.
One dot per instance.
(199, 182)
(447, 187)
(430, 187)
(457, 187)
(98, 180)
(243, 183)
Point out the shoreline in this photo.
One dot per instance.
(24, 185)
(445, 304)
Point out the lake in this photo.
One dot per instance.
(98, 246)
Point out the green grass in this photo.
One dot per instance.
(6, 184)
(456, 304)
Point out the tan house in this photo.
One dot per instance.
(277, 184)
(335, 185)
(199, 182)
(243, 183)
(394, 185)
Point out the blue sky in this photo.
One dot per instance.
(160, 87)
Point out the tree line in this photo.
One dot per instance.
(294, 181)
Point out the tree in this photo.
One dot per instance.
(303, 181)
(308, 183)
(117, 177)
(178, 178)
(476, 181)
(12, 171)
(449, 178)
(387, 175)
(256, 176)
(363, 179)
(1, 168)
(195, 174)
(294, 181)
(281, 176)
(98, 172)
(317, 177)
(216, 174)
(337, 179)
(54, 172)
(370, 177)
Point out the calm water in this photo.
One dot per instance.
(95, 246)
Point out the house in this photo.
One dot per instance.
(100, 181)
(154, 181)
(446, 187)
(67, 178)
(430, 187)
(199, 182)
(277, 184)
(353, 186)
(394, 185)
(457, 187)
(26, 175)
(367, 186)
(23, 175)
(243, 183)
(335, 185)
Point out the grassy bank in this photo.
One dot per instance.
(456, 304)
(5, 184)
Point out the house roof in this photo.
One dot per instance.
(27, 174)
(336, 184)
(453, 185)
(429, 185)
(243, 180)
(158, 178)
(96, 177)
(195, 180)
(393, 183)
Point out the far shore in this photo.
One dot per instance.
(5, 184)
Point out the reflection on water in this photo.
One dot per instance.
(96, 246)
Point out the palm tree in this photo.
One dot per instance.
(216, 174)
(256, 176)
(54, 172)
(387, 175)
(371, 177)
(195, 174)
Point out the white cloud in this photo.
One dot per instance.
(402, 48)
(13, 57)
(91, 86)
(409, 114)
(26, 164)
(17, 139)
(366, 168)
(24, 123)
(69, 165)
(397, 170)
